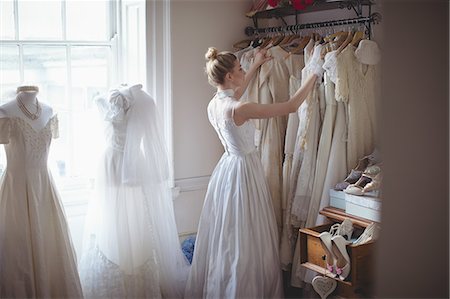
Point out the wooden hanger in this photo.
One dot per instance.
(305, 40)
(337, 42)
(242, 44)
(287, 39)
(345, 43)
(331, 37)
(277, 39)
(266, 41)
(357, 37)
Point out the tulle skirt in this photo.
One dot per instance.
(123, 255)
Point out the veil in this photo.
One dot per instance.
(145, 163)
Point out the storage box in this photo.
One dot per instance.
(363, 206)
(359, 283)
(337, 199)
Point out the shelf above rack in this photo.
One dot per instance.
(319, 5)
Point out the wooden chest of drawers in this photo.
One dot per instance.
(359, 283)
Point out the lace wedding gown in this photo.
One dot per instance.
(131, 247)
(236, 250)
(36, 253)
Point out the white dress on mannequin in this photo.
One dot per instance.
(36, 253)
(131, 247)
(236, 252)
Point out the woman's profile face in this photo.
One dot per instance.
(238, 74)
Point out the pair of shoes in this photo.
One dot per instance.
(358, 187)
(370, 180)
(333, 242)
(364, 164)
(371, 233)
(342, 229)
(337, 259)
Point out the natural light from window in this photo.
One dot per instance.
(67, 48)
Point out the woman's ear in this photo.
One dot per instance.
(229, 77)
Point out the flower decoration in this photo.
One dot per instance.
(297, 4)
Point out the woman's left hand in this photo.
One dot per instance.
(261, 57)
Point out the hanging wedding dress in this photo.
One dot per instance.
(36, 253)
(356, 85)
(236, 252)
(131, 247)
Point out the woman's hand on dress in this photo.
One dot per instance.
(261, 57)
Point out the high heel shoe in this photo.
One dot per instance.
(342, 258)
(375, 184)
(325, 240)
(369, 234)
(342, 229)
(375, 174)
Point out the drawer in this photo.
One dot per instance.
(359, 283)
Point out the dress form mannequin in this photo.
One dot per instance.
(30, 102)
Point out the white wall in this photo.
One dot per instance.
(195, 26)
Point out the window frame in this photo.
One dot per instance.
(71, 186)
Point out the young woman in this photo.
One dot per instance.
(236, 251)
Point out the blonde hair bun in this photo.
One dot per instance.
(211, 54)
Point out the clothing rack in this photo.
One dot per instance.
(367, 21)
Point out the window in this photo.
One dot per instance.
(71, 50)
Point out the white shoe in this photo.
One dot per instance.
(342, 229)
(325, 240)
(340, 251)
(370, 233)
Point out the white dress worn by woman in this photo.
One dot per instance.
(131, 247)
(236, 251)
(36, 253)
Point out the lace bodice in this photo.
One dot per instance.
(330, 65)
(236, 140)
(26, 148)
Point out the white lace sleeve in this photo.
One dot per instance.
(330, 66)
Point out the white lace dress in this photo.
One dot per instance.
(236, 251)
(131, 247)
(36, 253)
(356, 84)
(304, 164)
(337, 160)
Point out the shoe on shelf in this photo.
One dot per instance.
(374, 157)
(362, 164)
(357, 188)
(369, 164)
(375, 184)
(352, 178)
(339, 249)
(372, 170)
(371, 233)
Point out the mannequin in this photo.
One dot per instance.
(37, 258)
(27, 106)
